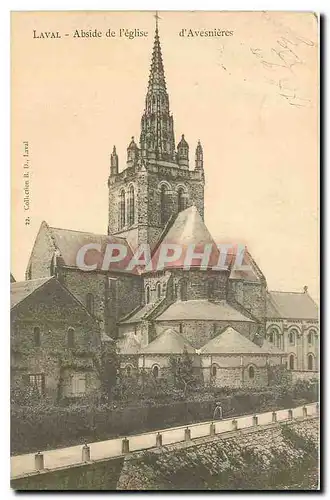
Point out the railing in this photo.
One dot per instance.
(22, 465)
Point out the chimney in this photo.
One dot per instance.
(305, 289)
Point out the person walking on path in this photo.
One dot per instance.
(218, 411)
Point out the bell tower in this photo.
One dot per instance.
(157, 182)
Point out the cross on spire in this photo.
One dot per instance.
(156, 16)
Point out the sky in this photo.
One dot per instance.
(250, 97)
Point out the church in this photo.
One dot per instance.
(226, 319)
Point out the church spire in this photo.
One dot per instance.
(157, 130)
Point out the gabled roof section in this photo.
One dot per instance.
(69, 242)
(202, 310)
(291, 305)
(168, 342)
(231, 342)
(20, 290)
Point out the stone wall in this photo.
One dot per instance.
(53, 313)
(272, 457)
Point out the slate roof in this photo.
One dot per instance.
(202, 310)
(168, 342)
(188, 228)
(20, 290)
(291, 305)
(139, 315)
(69, 242)
(231, 341)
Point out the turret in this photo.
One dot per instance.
(132, 153)
(199, 163)
(114, 162)
(183, 153)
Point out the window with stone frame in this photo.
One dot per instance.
(310, 362)
(251, 372)
(36, 383)
(292, 336)
(122, 209)
(70, 338)
(131, 206)
(164, 204)
(147, 294)
(311, 337)
(214, 370)
(78, 384)
(155, 371)
(291, 362)
(37, 336)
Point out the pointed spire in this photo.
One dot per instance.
(157, 129)
(157, 75)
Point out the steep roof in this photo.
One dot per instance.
(69, 242)
(291, 305)
(168, 342)
(202, 310)
(20, 290)
(231, 342)
(187, 229)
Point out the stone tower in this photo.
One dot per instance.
(156, 182)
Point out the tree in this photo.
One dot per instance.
(107, 363)
(182, 370)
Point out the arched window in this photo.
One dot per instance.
(292, 337)
(183, 289)
(310, 362)
(158, 290)
(129, 370)
(122, 209)
(163, 204)
(70, 337)
(214, 371)
(175, 291)
(180, 327)
(181, 200)
(147, 294)
(155, 371)
(37, 336)
(271, 336)
(311, 336)
(291, 362)
(251, 372)
(90, 303)
(131, 206)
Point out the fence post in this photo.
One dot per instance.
(212, 429)
(187, 434)
(234, 424)
(304, 411)
(274, 416)
(125, 446)
(86, 453)
(159, 440)
(290, 414)
(39, 461)
(254, 420)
